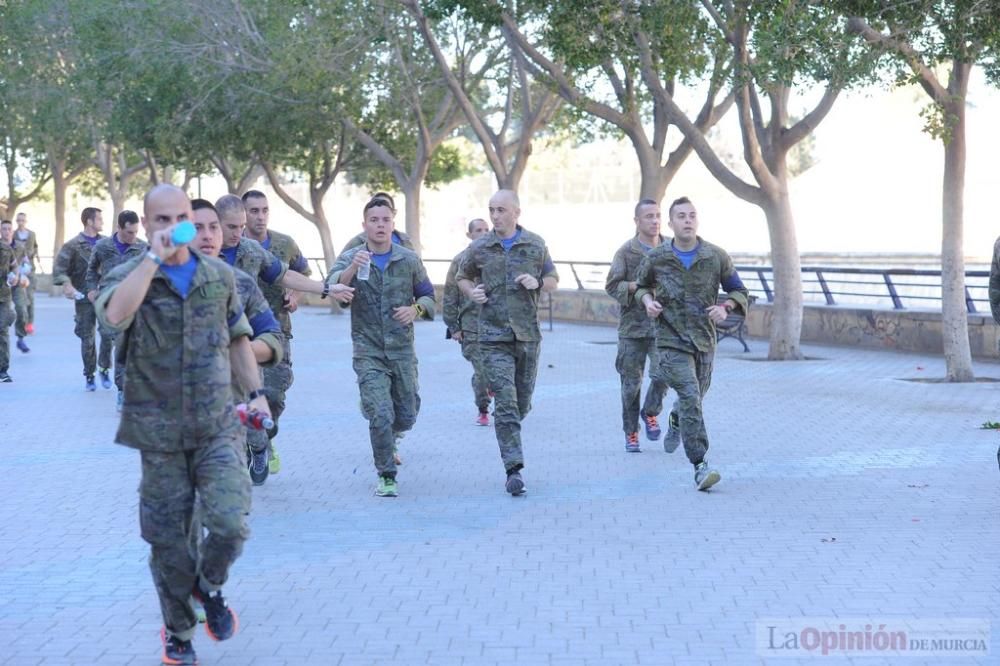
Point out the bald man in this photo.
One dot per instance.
(504, 274)
(187, 337)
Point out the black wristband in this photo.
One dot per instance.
(326, 290)
(254, 394)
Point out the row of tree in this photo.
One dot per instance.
(98, 92)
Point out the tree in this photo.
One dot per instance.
(920, 41)
(582, 49)
(776, 49)
(519, 107)
(405, 137)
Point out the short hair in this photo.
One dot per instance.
(254, 194)
(21, 214)
(89, 213)
(387, 197)
(200, 204)
(474, 220)
(677, 202)
(3, 222)
(513, 197)
(644, 202)
(379, 201)
(229, 203)
(127, 217)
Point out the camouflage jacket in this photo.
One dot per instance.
(259, 315)
(254, 260)
(994, 291)
(8, 263)
(459, 312)
(29, 246)
(398, 238)
(284, 248)
(404, 282)
(632, 319)
(178, 375)
(511, 311)
(72, 261)
(106, 256)
(686, 294)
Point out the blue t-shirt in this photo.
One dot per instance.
(181, 275)
(687, 258)
(509, 242)
(382, 260)
(92, 240)
(122, 247)
(266, 243)
(228, 254)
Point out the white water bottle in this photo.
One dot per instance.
(365, 270)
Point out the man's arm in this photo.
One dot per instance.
(93, 277)
(245, 371)
(617, 285)
(995, 282)
(61, 268)
(451, 300)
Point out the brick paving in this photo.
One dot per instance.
(846, 493)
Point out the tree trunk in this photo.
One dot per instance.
(954, 312)
(786, 312)
(117, 202)
(59, 186)
(323, 226)
(411, 192)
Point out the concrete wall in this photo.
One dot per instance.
(903, 330)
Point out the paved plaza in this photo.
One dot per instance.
(846, 492)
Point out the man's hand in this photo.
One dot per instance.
(457, 336)
(291, 302)
(162, 245)
(405, 314)
(478, 294)
(717, 313)
(341, 293)
(632, 287)
(92, 295)
(653, 307)
(69, 291)
(526, 281)
(260, 404)
(361, 257)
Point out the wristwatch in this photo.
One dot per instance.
(154, 257)
(254, 394)
(727, 306)
(421, 311)
(326, 290)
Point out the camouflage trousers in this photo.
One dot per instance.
(630, 362)
(20, 297)
(480, 387)
(277, 380)
(511, 368)
(86, 326)
(31, 298)
(6, 319)
(217, 472)
(390, 400)
(690, 375)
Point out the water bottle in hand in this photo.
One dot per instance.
(365, 270)
(251, 418)
(183, 233)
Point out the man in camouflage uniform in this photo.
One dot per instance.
(679, 284)
(266, 341)
(278, 377)
(505, 272)
(19, 288)
(383, 309)
(108, 253)
(270, 271)
(461, 316)
(70, 271)
(8, 265)
(186, 336)
(994, 294)
(25, 238)
(398, 237)
(636, 333)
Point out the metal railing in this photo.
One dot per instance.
(898, 288)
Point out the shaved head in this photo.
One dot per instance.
(509, 196)
(164, 191)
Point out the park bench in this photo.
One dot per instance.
(734, 326)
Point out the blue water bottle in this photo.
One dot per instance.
(183, 233)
